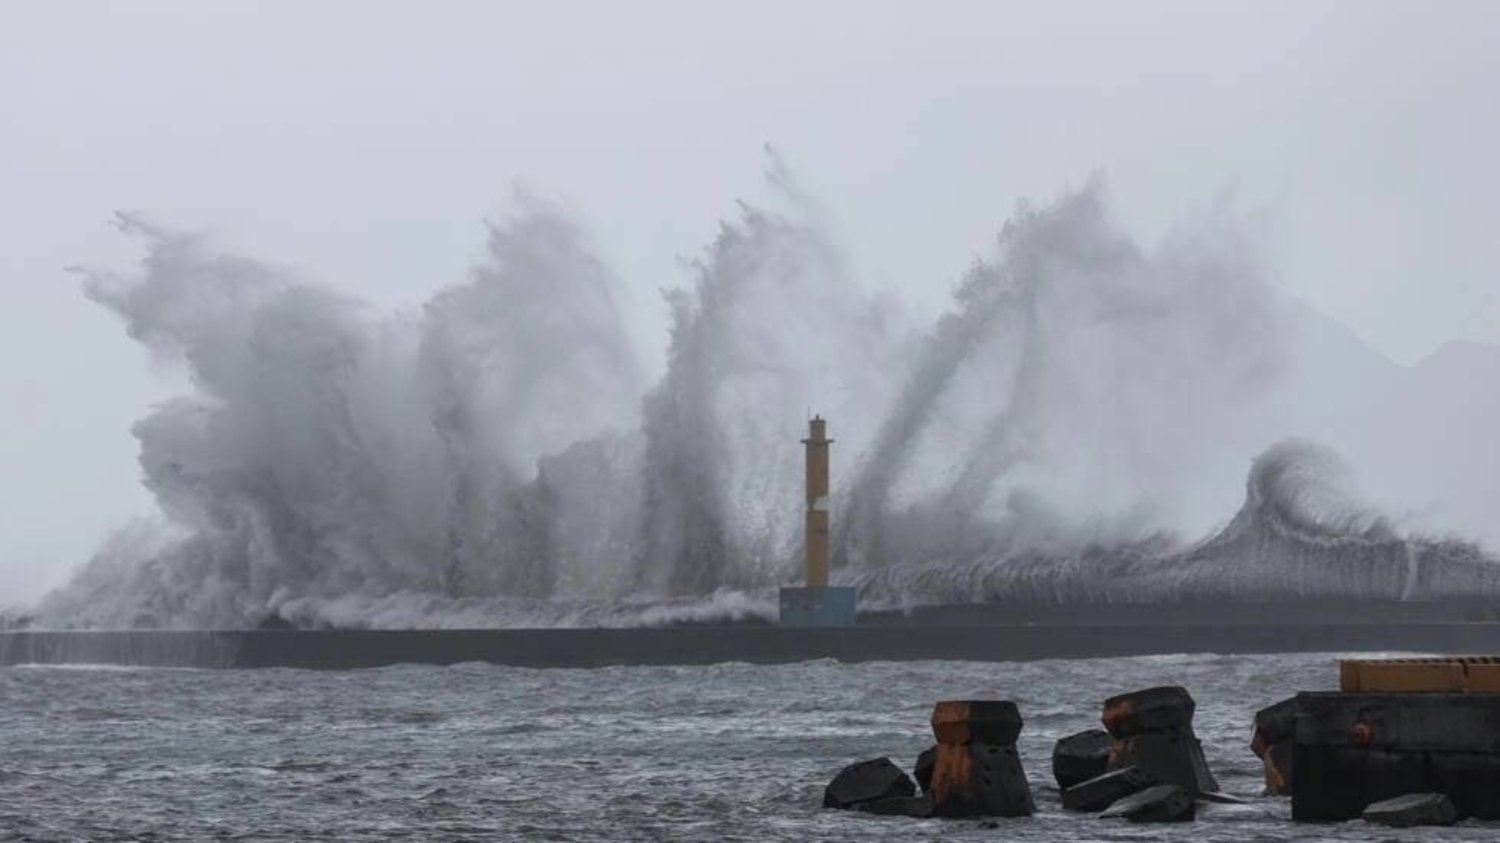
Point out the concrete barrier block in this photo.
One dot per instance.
(980, 780)
(1275, 729)
(1412, 809)
(867, 781)
(1170, 757)
(1162, 709)
(960, 722)
(1470, 779)
(1335, 783)
(1078, 758)
(1100, 792)
(1163, 803)
(1412, 722)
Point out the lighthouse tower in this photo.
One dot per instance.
(816, 603)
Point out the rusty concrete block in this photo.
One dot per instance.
(979, 780)
(961, 722)
(1275, 727)
(1162, 709)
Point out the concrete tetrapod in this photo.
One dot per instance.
(1100, 792)
(867, 781)
(977, 772)
(1275, 728)
(1078, 758)
(1413, 809)
(1163, 803)
(1153, 732)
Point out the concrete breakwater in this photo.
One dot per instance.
(345, 649)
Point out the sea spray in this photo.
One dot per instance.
(498, 458)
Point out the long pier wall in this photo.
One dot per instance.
(344, 649)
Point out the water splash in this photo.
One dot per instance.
(499, 459)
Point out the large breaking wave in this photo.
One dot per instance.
(501, 458)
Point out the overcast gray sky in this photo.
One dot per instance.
(364, 143)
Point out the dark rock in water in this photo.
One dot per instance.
(961, 722)
(1164, 803)
(1100, 792)
(1222, 798)
(1078, 758)
(976, 771)
(867, 781)
(899, 806)
(1165, 709)
(1413, 809)
(1170, 757)
(922, 772)
(1272, 744)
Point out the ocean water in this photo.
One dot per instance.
(479, 752)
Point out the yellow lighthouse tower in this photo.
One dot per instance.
(816, 603)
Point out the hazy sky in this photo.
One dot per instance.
(364, 142)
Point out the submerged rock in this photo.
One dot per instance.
(867, 781)
(1413, 809)
(1163, 803)
(1078, 758)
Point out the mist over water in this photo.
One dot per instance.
(1071, 428)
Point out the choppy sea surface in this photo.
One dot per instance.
(478, 752)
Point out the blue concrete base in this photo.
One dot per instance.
(833, 606)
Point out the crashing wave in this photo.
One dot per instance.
(1300, 534)
(499, 459)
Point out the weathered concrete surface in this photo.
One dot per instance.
(977, 771)
(1078, 758)
(995, 722)
(867, 781)
(1170, 757)
(1100, 792)
(1413, 809)
(1163, 803)
(1153, 732)
(1165, 709)
(346, 649)
(1275, 728)
(1352, 750)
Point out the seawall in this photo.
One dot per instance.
(345, 649)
